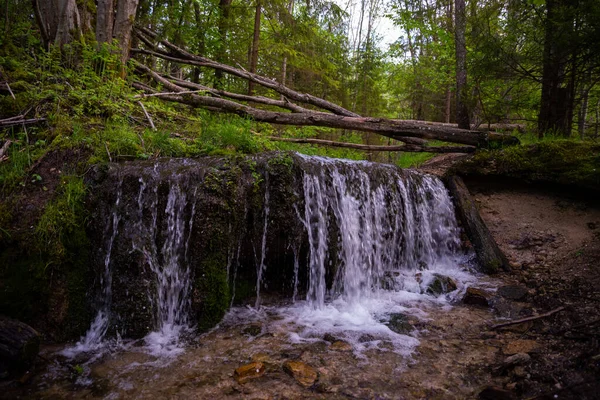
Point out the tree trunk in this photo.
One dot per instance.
(460, 24)
(104, 21)
(124, 19)
(554, 113)
(583, 113)
(490, 257)
(255, 41)
(224, 8)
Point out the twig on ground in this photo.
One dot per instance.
(533, 318)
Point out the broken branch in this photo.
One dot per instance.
(535, 317)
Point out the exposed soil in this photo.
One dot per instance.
(552, 239)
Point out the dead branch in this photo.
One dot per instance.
(533, 318)
(5, 123)
(406, 147)
(183, 56)
(4, 149)
(396, 129)
(147, 115)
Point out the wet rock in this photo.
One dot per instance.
(366, 338)
(496, 393)
(252, 330)
(476, 297)
(340, 345)
(513, 292)
(249, 371)
(329, 338)
(399, 323)
(441, 284)
(517, 359)
(303, 373)
(521, 346)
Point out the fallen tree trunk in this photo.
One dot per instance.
(19, 345)
(405, 147)
(490, 257)
(395, 129)
(335, 117)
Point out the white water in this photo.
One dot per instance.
(393, 236)
(393, 230)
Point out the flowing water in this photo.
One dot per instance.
(378, 242)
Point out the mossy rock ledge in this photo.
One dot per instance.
(559, 162)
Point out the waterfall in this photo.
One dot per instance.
(388, 221)
(173, 231)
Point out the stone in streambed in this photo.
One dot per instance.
(340, 345)
(441, 284)
(249, 371)
(513, 292)
(476, 297)
(399, 323)
(304, 374)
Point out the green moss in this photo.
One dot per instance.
(564, 162)
(214, 288)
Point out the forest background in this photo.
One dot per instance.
(530, 66)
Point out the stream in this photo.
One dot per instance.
(354, 271)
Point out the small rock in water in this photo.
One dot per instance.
(304, 374)
(521, 346)
(512, 292)
(517, 359)
(329, 338)
(496, 393)
(441, 284)
(476, 297)
(252, 330)
(399, 323)
(249, 371)
(366, 338)
(340, 345)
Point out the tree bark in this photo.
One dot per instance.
(104, 21)
(224, 8)
(255, 41)
(460, 24)
(124, 18)
(553, 115)
(490, 257)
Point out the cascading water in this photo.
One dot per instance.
(364, 239)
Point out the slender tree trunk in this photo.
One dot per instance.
(555, 99)
(69, 23)
(255, 42)
(104, 21)
(583, 113)
(126, 10)
(460, 23)
(224, 8)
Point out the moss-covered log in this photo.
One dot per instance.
(489, 255)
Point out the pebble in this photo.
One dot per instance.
(303, 373)
(249, 371)
(517, 359)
